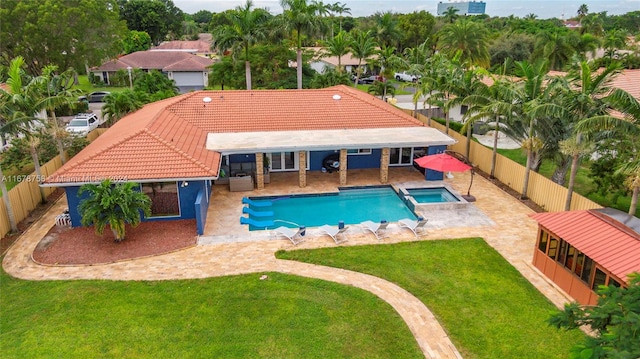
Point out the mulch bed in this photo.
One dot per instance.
(72, 246)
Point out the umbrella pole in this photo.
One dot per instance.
(469, 197)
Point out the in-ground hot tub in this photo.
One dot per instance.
(432, 198)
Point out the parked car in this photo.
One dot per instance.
(405, 76)
(83, 123)
(371, 79)
(97, 96)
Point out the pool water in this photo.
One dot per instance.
(351, 205)
(432, 195)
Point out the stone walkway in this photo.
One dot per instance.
(512, 233)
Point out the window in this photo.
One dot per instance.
(400, 156)
(562, 253)
(614, 282)
(571, 252)
(164, 198)
(586, 271)
(599, 279)
(464, 109)
(579, 264)
(359, 151)
(542, 241)
(553, 248)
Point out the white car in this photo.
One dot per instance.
(405, 76)
(83, 123)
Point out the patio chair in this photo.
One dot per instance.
(375, 228)
(334, 232)
(413, 225)
(295, 236)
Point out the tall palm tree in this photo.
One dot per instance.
(341, 9)
(468, 37)
(386, 29)
(338, 46)
(555, 47)
(387, 60)
(362, 46)
(119, 104)
(301, 17)
(450, 15)
(585, 96)
(583, 10)
(247, 25)
(113, 204)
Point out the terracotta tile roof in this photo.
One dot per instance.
(605, 240)
(158, 60)
(167, 139)
(195, 46)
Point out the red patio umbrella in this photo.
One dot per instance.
(445, 163)
(442, 162)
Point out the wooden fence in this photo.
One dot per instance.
(25, 196)
(544, 192)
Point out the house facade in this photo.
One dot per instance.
(190, 72)
(178, 148)
(581, 250)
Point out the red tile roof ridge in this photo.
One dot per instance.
(373, 100)
(181, 152)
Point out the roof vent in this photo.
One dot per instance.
(206, 99)
(336, 97)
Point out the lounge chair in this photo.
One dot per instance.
(414, 226)
(295, 236)
(375, 228)
(334, 232)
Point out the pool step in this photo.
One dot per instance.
(253, 213)
(253, 222)
(246, 200)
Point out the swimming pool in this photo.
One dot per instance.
(432, 195)
(351, 205)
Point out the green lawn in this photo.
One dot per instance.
(489, 310)
(87, 87)
(230, 317)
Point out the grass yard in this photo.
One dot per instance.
(87, 87)
(228, 317)
(489, 310)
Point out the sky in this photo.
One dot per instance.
(544, 9)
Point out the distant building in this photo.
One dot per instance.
(464, 7)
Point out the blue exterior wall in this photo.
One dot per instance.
(201, 207)
(187, 195)
(431, 175)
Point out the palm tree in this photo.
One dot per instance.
(386, 29)
(450, 15)
(382, 89)
(338, 46)
(247, 26)
(619, 127)
(387, 61)
(58, 92)
(340, 8)
(586, 96)
(468, 37)
(301, 17)
(119, 104)
(113, 204)
(24, 103)
(555, 47)
(583, 10)
(362, 46)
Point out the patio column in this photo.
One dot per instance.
(343, 167)
(302, 171)
(384, 165)
(259, 170)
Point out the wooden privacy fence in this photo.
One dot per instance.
(543, 191)
(25, 196)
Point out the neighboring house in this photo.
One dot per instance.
(572, 24)
(190, 72)
(199, 47)
(177, 147)
(581, 250)
(322, 61)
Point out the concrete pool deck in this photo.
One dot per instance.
(509, 230)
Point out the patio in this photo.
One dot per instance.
(223, 225)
